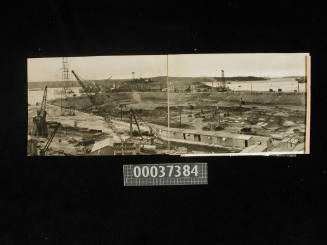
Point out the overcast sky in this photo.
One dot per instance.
(98, 67)
(102, 67)
(271, 65)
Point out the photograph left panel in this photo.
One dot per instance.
(101, 105)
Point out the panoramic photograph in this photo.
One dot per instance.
(188, 104)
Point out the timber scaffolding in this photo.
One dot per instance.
(220, 139)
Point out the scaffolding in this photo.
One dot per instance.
(66, 108)
(221, 83)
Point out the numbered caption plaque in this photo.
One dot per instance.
(165, 174)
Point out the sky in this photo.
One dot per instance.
(190, 65)
(98, 67)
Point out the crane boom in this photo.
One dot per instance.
(44, 100)
(84, 88)
(137, 124)
(45, 148)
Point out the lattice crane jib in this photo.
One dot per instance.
(44, 100)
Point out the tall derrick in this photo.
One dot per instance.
(66, 108)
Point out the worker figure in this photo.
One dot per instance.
(242, 102)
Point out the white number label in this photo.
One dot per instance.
(145, 171)
(170, 170)
(186, 170)
(178, 171)
(195, 170)
(165, 174)
(153, 171)
(137, 171)
(160, 171)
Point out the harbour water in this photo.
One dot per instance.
(285, 84)
(52, 93)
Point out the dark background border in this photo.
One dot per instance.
(81, 200)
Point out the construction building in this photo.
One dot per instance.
(212, 138)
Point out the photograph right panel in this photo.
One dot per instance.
(238, 103)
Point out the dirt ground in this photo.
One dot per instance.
(189, 111)
(202, 114)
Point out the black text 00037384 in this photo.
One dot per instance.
(160, 171)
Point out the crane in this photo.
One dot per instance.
(40, 124)
(86, 89)
(223, 79)
(46, 147)
(152, 130)
(44, 100)
(132, 115)
(222, 83)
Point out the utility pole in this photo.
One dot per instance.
(131, 125)
(61, 94)
(180, 117)
(168, 117)
(241, 108)
(218, 114)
